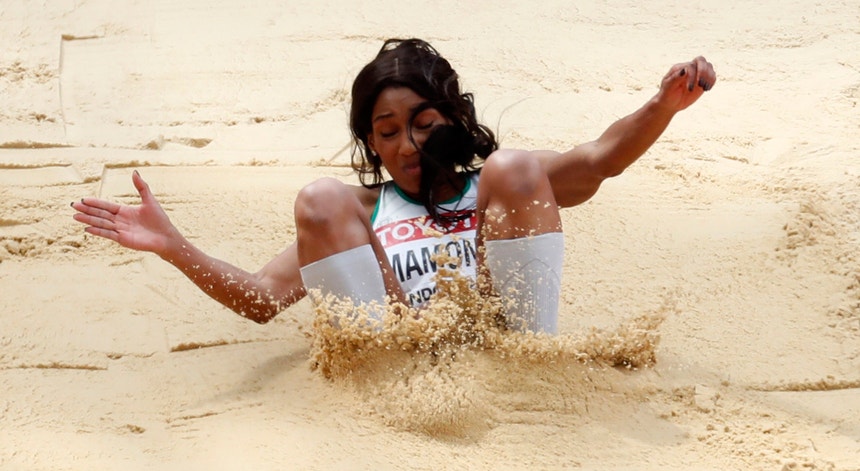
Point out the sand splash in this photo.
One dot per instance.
(455, 371)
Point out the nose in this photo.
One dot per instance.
(406, 147)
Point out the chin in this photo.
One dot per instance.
(411, 190)
(411, 186)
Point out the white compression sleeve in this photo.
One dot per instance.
(352, 274)
(526, 273)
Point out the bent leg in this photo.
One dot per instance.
(520, 230)
(338, 251)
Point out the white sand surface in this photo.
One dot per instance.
(740, 229)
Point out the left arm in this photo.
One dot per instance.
(576, 175)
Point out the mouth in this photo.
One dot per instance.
(412, 170)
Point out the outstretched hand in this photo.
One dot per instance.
(144, 227)
(685, 83)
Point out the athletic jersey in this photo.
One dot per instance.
(410, 237)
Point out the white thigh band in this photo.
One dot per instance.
(352, 274)
(526, 273)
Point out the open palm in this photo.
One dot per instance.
(143, 227)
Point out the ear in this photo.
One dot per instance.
(370, 144)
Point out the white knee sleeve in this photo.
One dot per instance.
(526, 273)
(352, 274)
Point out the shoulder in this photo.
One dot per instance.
(366, 196)
(518, 153)
(507, 156)
(332, 189)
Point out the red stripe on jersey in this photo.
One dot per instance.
(422, 227)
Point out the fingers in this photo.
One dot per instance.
(706, 77)
(107, 234)
(142, 188)
(698, 72)
(98, 226)
(97, 208)
(676, 73)
(98, 215)
(95, 221)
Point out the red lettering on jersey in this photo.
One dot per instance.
(423, 227)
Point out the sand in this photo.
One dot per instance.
(710, 311)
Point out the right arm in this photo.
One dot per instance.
(257, 296)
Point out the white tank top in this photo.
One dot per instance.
(410, 237)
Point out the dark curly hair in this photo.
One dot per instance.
(450, 150)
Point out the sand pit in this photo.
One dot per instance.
(710, 311)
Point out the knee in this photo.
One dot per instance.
(513, 172)
(322, 203)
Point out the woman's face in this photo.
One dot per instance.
(390, 136)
